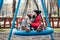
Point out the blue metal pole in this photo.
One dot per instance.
(46, 16)
(58, 2)
(51, 37)
(1, 3)
(14, 19)
(45, 13)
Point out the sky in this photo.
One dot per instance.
(10, 1)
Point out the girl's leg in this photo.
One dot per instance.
(24, 25)
(41, 27)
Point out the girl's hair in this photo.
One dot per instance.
(37, 11)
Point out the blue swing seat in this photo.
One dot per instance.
(46, 31)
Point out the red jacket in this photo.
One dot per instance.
(36, 22)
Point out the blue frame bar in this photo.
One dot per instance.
(58, 2)
(46, 16)
(51, 37)
(1, 3)
(14, 19)
(45, 13)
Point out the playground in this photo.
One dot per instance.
(36, 20)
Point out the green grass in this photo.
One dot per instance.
(7, 30)
(4, 30)
(56, 29)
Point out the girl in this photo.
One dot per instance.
(36, 23)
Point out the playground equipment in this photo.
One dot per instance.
(46, 31)
(58, 1)
(1, 2)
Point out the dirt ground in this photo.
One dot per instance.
(4, 36)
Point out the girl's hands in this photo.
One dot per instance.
(29, 21)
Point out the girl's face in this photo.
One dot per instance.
(34, 14)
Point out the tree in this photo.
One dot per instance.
(14, 6)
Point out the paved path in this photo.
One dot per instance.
(3, 36)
